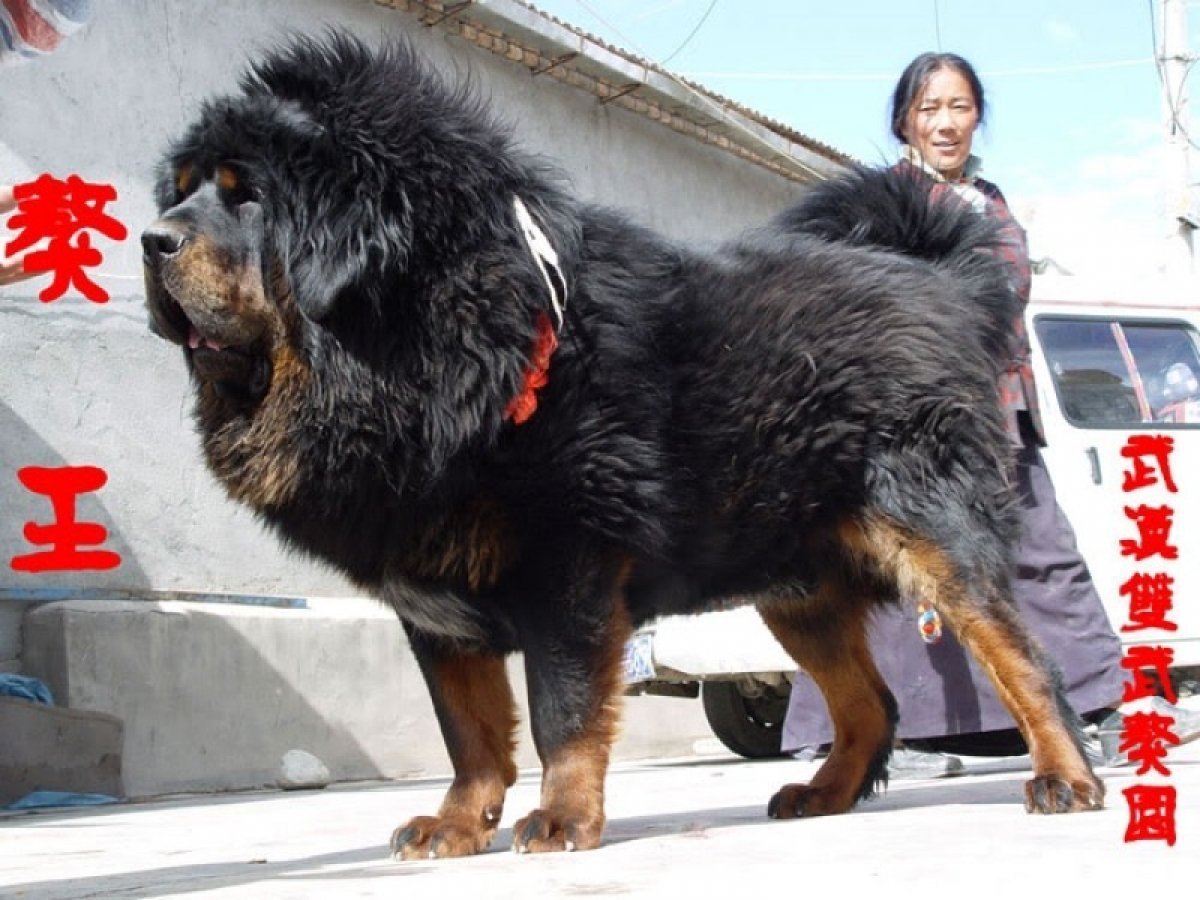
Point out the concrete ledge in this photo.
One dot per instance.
(213, 695)
(50, 748)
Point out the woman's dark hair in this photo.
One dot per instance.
(912, 81)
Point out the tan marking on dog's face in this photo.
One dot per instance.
(185, 179)
(223, 297)
(226, 178)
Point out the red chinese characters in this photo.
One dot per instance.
(62, 213)
(69, 542)
(1158, 448)
(54, 222)
(1151, 598)
(1147, 736)
(1140, 661)
(1154, 529)
(1151, 813)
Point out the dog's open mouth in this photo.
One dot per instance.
(237, 369)
(236, 372)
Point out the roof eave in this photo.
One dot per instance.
(547, 47)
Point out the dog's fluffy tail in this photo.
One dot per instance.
(896, 210)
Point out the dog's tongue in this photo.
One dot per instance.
(195, 341)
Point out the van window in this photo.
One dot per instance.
(1110, 372)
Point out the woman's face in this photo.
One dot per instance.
(941, 122)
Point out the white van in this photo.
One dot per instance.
(1113, 362)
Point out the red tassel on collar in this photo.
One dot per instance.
(537, 374)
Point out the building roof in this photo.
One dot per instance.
(551, 48)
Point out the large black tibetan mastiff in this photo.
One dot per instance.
(528, 424)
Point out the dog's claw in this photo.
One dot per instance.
(1052, 794)
(796, 801)
(434, 837)
(544, 832)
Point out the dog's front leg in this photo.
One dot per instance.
(573, 665)
(475, 709)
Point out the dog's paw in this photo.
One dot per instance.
(544, 831)
(795, 801)
(436, 837)
(1048, 794)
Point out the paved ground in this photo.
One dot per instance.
(677, 829)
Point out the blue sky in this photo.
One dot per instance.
(1076, 133)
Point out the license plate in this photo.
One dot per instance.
(639, 659)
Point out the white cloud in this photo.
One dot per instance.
(1060, 32)
(1110, 218)
(1096, 232)
(1118, 168)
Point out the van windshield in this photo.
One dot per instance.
(1118, 373)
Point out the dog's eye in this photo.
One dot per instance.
(243, 193)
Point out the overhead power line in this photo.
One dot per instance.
(687, 40)
(1173, 100)
(717, 110)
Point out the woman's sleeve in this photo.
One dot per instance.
(1013, 247)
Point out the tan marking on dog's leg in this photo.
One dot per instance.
(477, 713)
(989, 627)
(829, 641)
(571, 812)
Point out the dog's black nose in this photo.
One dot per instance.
(161, 241)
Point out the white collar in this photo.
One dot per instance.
(546, 258)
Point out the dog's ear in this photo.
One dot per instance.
(331, 247)
(322, 262)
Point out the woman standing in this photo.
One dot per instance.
(937, 106)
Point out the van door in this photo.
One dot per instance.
(1117, 383)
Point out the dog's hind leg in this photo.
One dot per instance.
(979, 609)
(475, 708)
(826, 635)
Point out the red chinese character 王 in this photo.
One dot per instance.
(1151, 813)
(1137, 449)
(65, 535)
(61, 213)
(1154, 528)
(1151, 598)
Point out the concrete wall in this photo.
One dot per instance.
(213, 695)
(86, 384)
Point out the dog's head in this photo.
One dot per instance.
(273, 205)
(348, 218)
(207, 280)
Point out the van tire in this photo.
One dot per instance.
(746, 718)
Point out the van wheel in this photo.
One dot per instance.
(746, 716)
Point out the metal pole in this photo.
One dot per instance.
(1174, 63)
